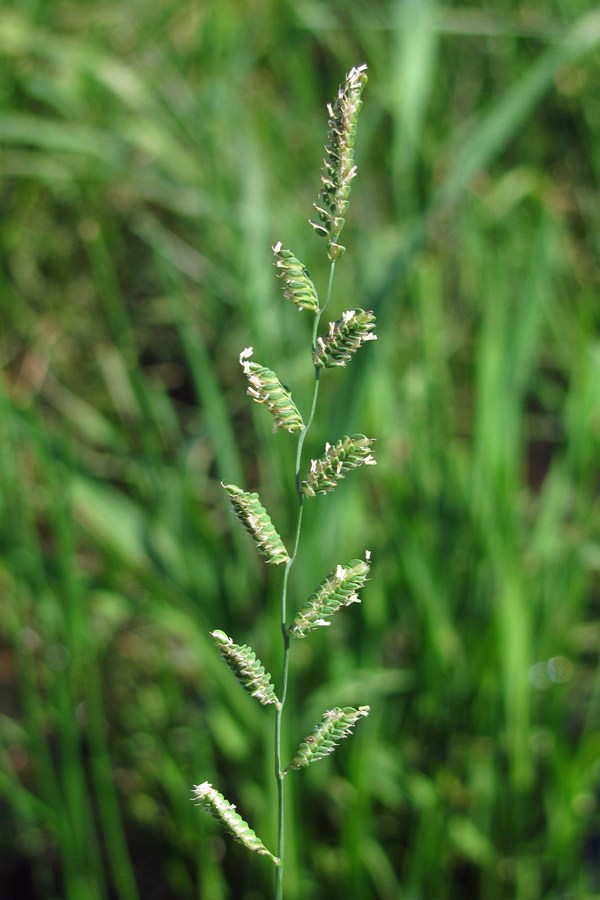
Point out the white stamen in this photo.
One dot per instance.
(202, 790)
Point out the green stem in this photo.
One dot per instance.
(279, 771)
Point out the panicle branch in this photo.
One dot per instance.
(338, 166)
(340, 588)
(247, 668)
(257, 523)
(336, 724)
(265, 388)
(297, 285)
(216, 804)
(345, 336)
(348, 453)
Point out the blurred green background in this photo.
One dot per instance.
(152, 153)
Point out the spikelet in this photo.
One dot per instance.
(340, 588)
(216, 804)
(336, 724)
(265, 388)
(297, 285)
(248, 670)
(257, 522)
(348, 453)
(345, 336)
(338, 166)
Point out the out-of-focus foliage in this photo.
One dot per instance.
(152, 155)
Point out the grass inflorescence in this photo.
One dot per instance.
(265, 388)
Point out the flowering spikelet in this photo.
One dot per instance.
(340, 588)
(257, 522)
(348, 453)
(297, 285)
(264, 387)
(248, 670)
(336, 724)
(216, 804)
(345, 336)
(338, 166)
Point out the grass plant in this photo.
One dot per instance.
(151, 155)
(340, 588)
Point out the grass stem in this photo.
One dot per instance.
(279, 772)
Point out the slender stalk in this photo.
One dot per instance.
(279, 773)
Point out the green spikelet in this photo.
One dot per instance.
(216, 804)
(345, 336)
(257, 522)
(340, 588)
(336, 724)
(338, 166)
(248, 670)
(265, 388)
(348, 453)
(297, 285)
